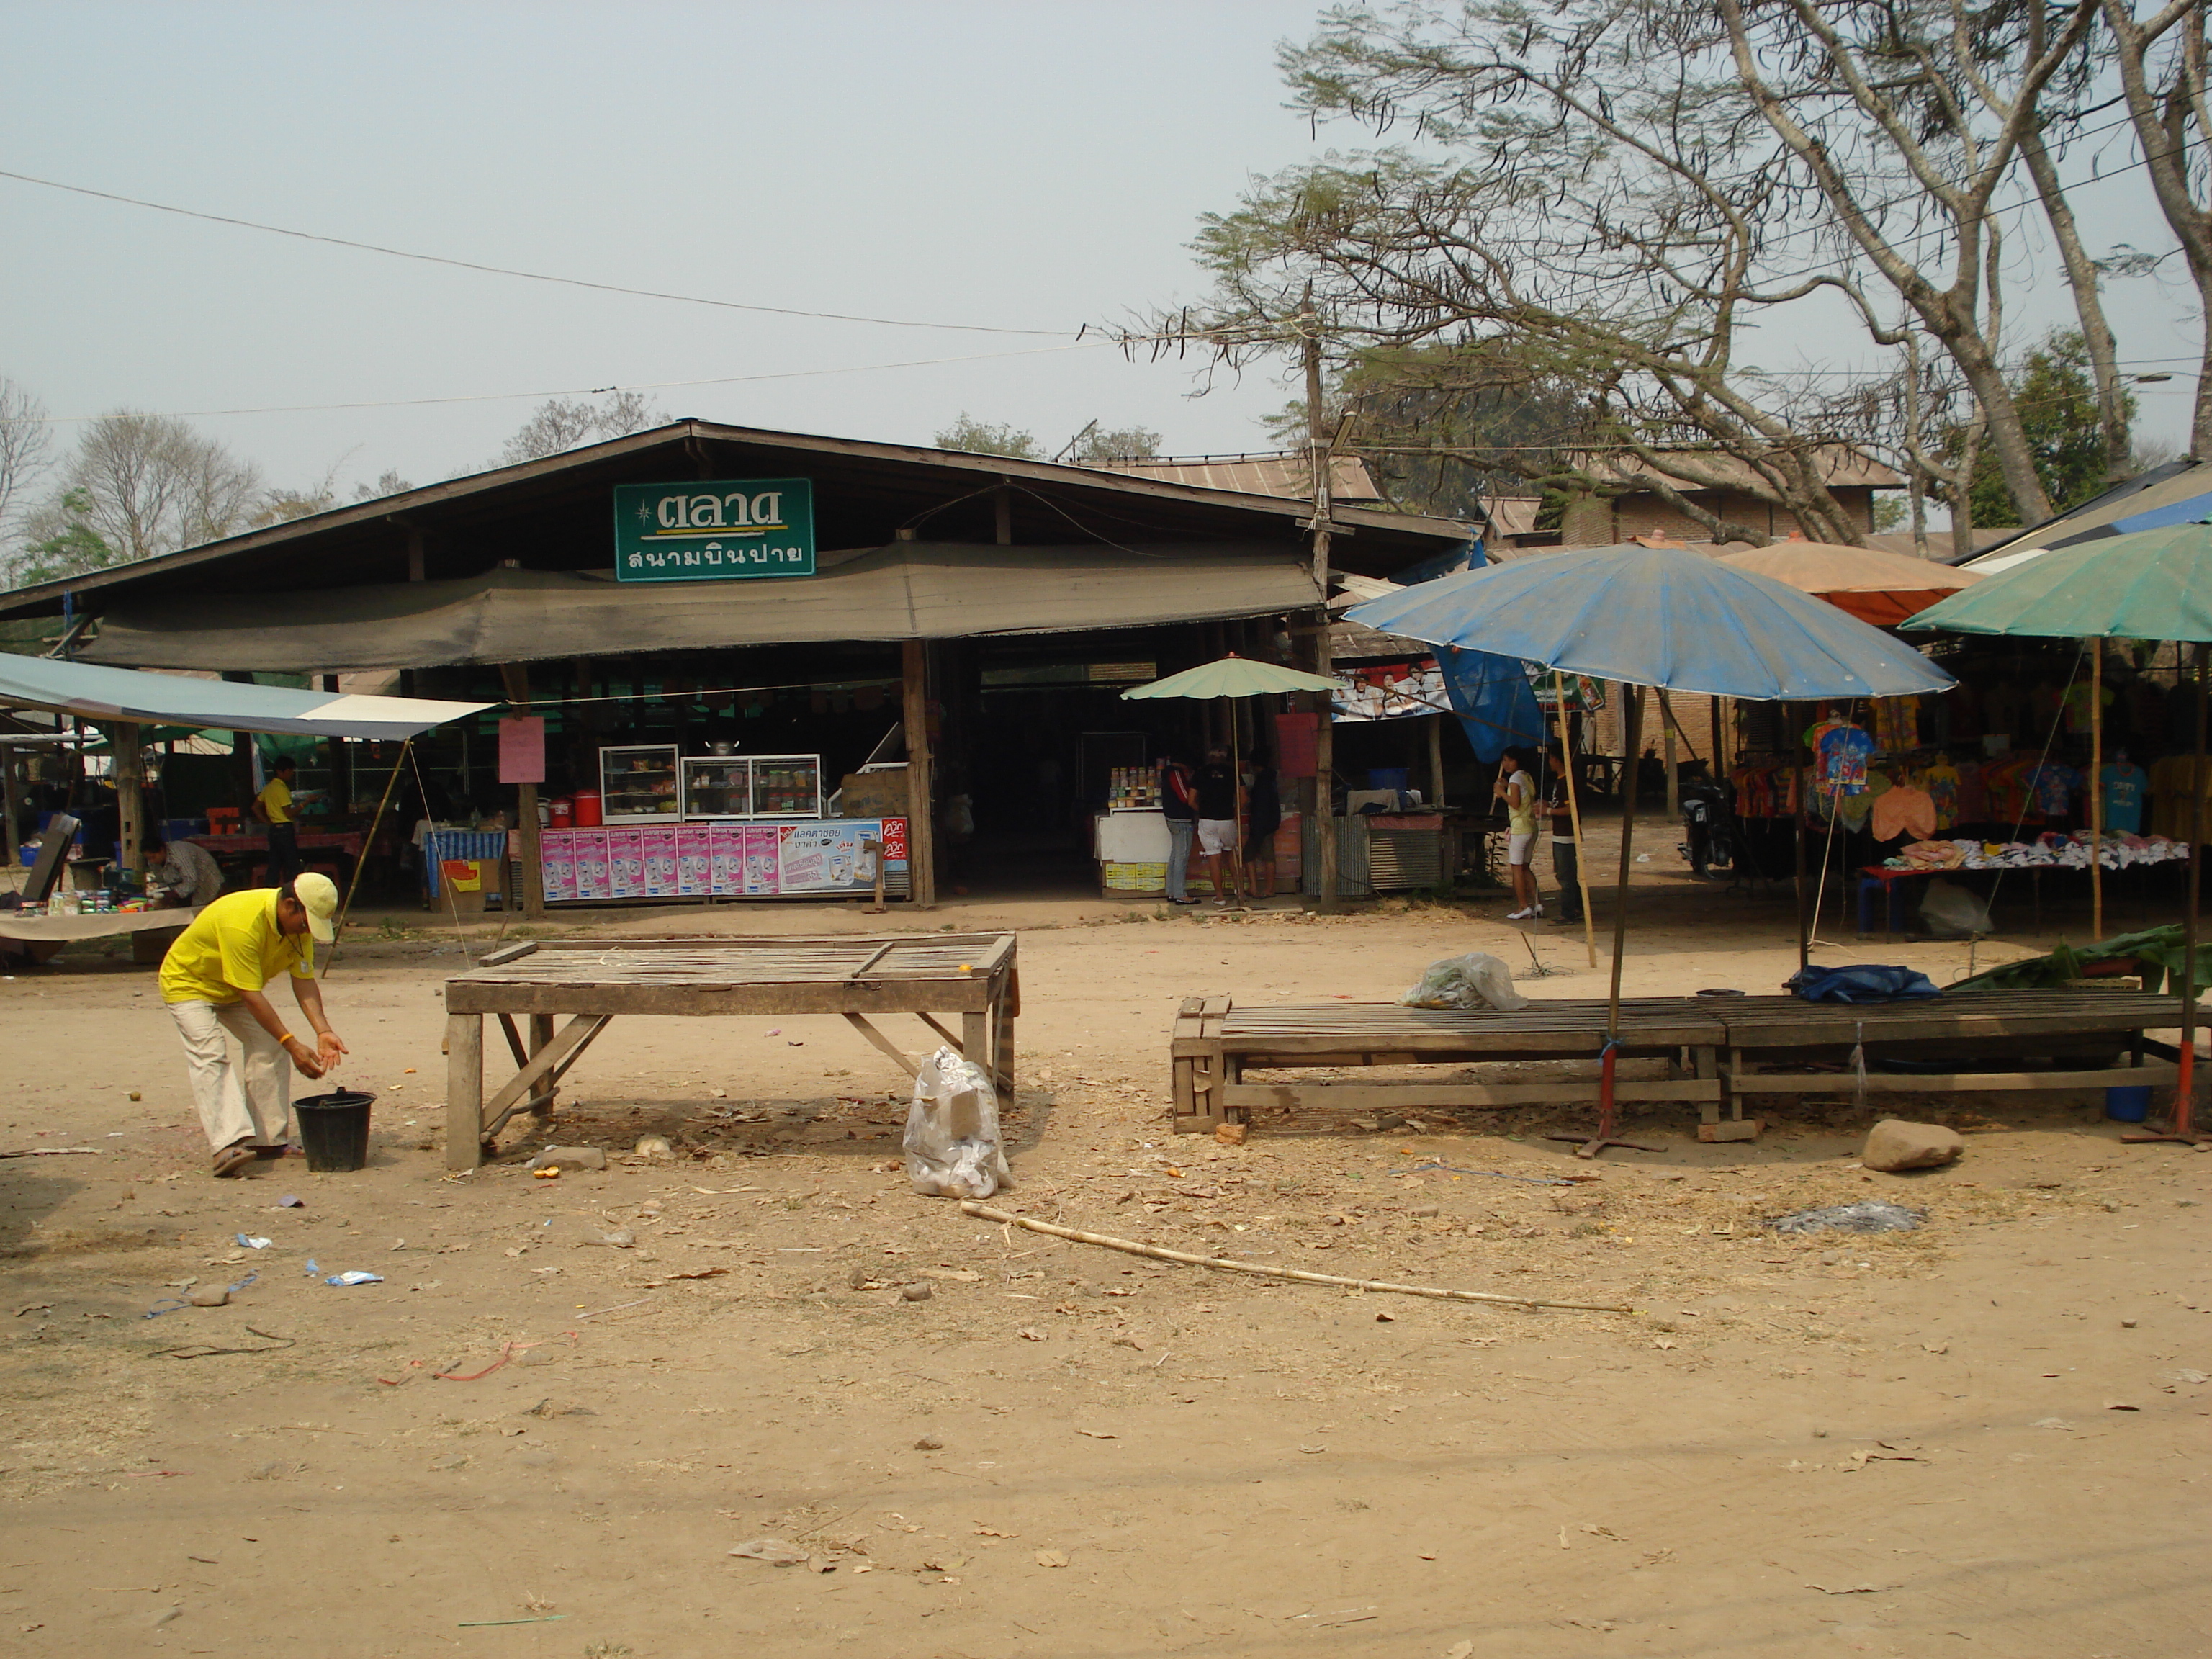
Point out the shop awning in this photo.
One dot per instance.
(908, 589)
(108, 695)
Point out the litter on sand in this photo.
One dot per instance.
(246, 1244)
(1495, 1174)
(1868, 1215)
(355, 1277)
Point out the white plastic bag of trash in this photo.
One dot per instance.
(953, 1147)
(1474, 980)
(1950, 909)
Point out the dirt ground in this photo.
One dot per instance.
(1983, 1437)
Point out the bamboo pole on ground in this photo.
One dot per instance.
(1158, 1253)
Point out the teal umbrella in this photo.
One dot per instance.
(2146, 585)
(1232, 677)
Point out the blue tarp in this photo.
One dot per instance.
(1658, 615)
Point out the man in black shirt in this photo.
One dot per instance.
(1179, 806)
(1217, 824)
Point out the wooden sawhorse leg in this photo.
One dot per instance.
(464, 1090)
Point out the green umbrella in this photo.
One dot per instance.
(2146, 585)
(2151, 584)
(1233, 676)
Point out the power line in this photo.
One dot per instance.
(593, 391)
(505, 270)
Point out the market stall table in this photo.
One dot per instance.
(42, 938)
(1216, 1043)
(238, 851)
(591, 980)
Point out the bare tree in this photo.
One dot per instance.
(145, 484)
(560, 425)
(26, 447)
(2162, 60)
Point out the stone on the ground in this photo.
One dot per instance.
(207, 1296)
(570, 1157)
(1893, 1144)
(654, 1147)
(1230, 1134)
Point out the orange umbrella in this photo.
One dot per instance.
(1877, 587)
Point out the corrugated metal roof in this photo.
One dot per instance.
(1288, 474)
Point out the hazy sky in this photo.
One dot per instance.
(1031, 166)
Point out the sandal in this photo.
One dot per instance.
(231, 1159)
(260, 1150)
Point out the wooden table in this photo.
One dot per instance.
(1216, 1041)
(42, 938)
(591, 980)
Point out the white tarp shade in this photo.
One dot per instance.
(908, 589)
(108, 695)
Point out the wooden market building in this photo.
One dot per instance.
(972, 616)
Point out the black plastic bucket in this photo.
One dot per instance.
(334, 1130)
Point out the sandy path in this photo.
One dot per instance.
(1226, 1466)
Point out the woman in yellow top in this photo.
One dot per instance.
(214, 980)
(1518, 791)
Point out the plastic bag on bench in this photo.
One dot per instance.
(1474, 980)
(953, 1148)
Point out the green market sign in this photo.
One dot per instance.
(713, 529)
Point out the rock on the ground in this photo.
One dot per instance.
(570, 1157)
(654, 1147)
(1893, 1144)
(207, 1296)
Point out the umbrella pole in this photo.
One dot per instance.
(2097, 790)
(1574, 813)
(2184, 1131)
(1795, 714)
(1609, 1124)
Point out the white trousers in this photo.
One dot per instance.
(237, 1100)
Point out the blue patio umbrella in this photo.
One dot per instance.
(1662, 617)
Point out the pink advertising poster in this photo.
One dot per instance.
(694, 862)
(726, 851)
(762, 865)
(558, 854)
(659, 848)
(522, 749)
(589, 848)
(625, 863)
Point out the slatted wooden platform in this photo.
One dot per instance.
(973, 975)
(1216, 1041)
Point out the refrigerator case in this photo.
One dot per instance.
(717, 785)
(638, 784)
(787, 787)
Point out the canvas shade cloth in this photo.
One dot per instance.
(908, 589)
(112, 694)
(2146, 585)
(1659, 616)
(1877, 587)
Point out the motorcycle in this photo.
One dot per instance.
(1714, 847)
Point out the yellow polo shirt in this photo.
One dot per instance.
(234, 944)
(276, 799)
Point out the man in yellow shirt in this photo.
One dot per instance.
(214, 980)
(273, 806)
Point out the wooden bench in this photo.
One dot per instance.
(1216, 1041)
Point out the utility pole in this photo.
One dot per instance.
(1320, 447)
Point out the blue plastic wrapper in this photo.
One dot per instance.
(356, 1277)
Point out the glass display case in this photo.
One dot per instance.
(718, 786)
(638, 784)
(787, 786)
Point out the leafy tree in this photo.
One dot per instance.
(70, 545)
(976, 437)
(560, 425)
(1126, 443)
(2059, 412)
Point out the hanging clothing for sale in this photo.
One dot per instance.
(2121, 787)
(1941, 780)
(1896, 724)
(1904, 810)
(1840, 750)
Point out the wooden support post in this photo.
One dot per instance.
(10, 850)
(1318, 455)
(541, 1037)
(129, 759)
(530, 855)
(920, 822)
(976, 1040)
(340, 767)
(464, 1090)
(1002, 515)
(1436, 760)
(2097, 789)
(1667, 737)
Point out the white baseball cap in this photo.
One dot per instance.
(319, 896)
